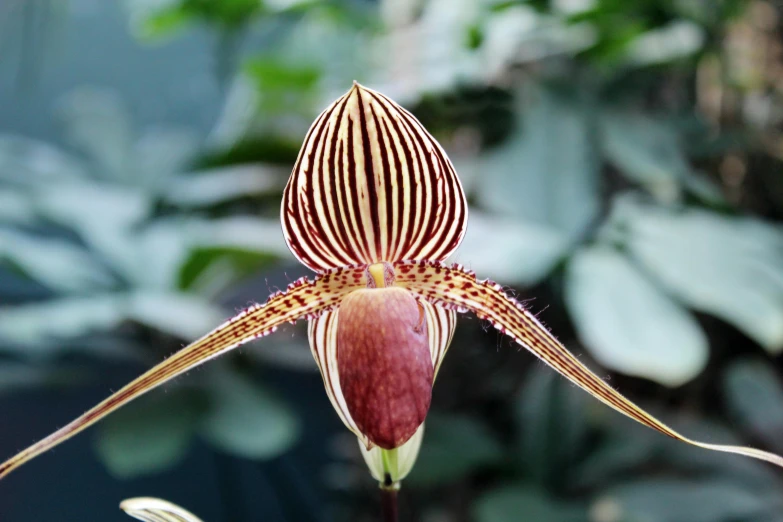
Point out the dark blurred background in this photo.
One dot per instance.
(623, 160)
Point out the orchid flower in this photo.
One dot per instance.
(374, 207)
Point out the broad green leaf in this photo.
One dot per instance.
(151, 256)
(286, 351)
(15, 376)
(181, 315)
(220, 185)
(56, 263)
(626, 447)
(105, 216)
(755, 398)
(514, 502)
(728, 267)
(246, 418)
(630, 325)
(155, 256)
(207, 271)
(28, 162)
(241, 232)
(15, 208)
(237, 115)
(455, 446)
(681, 500)
(150, 434)
(435, 66)
(159, 154)
(156, 19)
(550, 416)
(97, 122)
(645, 150)
(547, 171)
(92, 208)
(39, 326)
(676, 40)
(510, 250)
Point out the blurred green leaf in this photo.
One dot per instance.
(674, 41)
(27, 162)
(550, 417)
(755, 398)
(271, 74)
(158, 24)
(628, 449)
(221, 185)
(59, 264)
(15, 376)
(97, 122)
(725, 266)
(455, 445)
(246, 418)
(645, 150)
(512, 251)
(514, 502)
(92, 209)
(38, 327)
(283, 87)
(149, 435)
(628, 324)
(680, 500)
(180, 315)
(207, 267)
(159, 18)
(15, 208)
(159, 154)
(547, 172)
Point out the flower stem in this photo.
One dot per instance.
(389, 502)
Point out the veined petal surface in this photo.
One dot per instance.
(371, 185)
(441, 323)
(322, 333)
(459, 289)
(302, 299)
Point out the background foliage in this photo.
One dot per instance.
(623, 163)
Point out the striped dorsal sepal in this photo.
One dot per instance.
(371, 185)
(303, 299)
(458, 289)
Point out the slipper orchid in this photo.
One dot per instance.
(374, 207)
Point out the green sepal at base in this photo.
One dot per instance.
(389, 467)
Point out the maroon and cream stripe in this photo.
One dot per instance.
(458, 289)
(302, 300)
(371, 185)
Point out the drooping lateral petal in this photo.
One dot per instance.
(302, 299)
(371, 185)
(459, 289)
(151, 509)
(441, 323)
